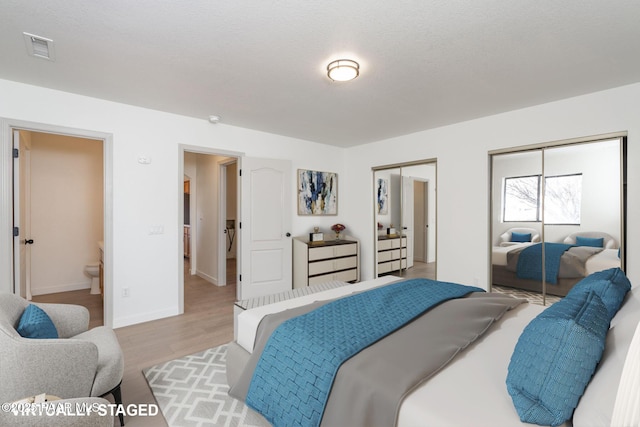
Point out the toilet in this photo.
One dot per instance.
(93, 270)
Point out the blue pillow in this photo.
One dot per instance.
(555, 358)
(520, 237)
(35, 323)
(596, 242)
(611, 286)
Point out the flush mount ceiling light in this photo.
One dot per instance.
(40, 47)
(343, 70)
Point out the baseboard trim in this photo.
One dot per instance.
(207, 277)
(60, 288)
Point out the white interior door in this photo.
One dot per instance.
(265, 238)
(21, 215)
(407, 216)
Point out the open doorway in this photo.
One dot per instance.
(209, 223)
(60, 180)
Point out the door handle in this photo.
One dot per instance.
(28, 242)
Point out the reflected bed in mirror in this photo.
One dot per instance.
(520, 265)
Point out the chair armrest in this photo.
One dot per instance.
(61, 367)
(70, 319)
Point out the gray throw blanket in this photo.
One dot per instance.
(370, 387)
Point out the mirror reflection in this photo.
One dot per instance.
(404, 208)
(557, 216)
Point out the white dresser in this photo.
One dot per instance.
(319, 262)
(392, 253)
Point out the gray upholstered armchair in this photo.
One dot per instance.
(80, 363)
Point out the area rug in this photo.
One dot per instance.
(192, 391)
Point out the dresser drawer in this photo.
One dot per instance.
(332, 251)
(345, 276)
(320, 267)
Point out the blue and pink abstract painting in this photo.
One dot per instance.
(317, 192)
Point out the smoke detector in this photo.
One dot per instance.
(39, 47)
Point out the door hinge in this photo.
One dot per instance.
(16, 231)
(240, 225)
(240, 172)
(240, 278)
(16, 153)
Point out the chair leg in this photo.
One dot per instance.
(117, 398)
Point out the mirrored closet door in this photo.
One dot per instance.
(405, 218)
(557, 214)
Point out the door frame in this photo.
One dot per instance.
(222, 217)
(7, 126)
(182, 148)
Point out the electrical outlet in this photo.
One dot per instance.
(156, 229)
(125, 292)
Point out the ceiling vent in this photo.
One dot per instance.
(40, 47)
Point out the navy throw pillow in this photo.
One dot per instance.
(611, 286)
(35, 323)
(555, 358)
(520, 237)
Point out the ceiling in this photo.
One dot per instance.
(261, 64)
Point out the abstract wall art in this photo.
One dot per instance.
(317, 192)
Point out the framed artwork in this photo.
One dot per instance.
(382, 196)
(317, 192)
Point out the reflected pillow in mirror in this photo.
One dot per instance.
(520, 237)
(596, 242)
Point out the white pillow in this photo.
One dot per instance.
(596, 405)
(626, 411)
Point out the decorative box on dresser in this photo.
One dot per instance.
(319, 262)
(392, 253)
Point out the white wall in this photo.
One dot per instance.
(463, 181)
(151, 194)
(66, 211)
(148, 264)
(207, 200)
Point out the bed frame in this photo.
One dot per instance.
(503, 277)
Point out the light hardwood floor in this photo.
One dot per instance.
(207, 322)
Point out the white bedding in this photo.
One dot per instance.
(471, 390)
(604, 260)
(249, 320)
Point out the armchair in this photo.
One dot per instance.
(80, 363)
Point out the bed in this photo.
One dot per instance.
(577, 262)
(470, 389)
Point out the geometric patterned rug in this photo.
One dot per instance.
(192, 392)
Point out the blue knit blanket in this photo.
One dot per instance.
(293, 378)
(530, 261)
